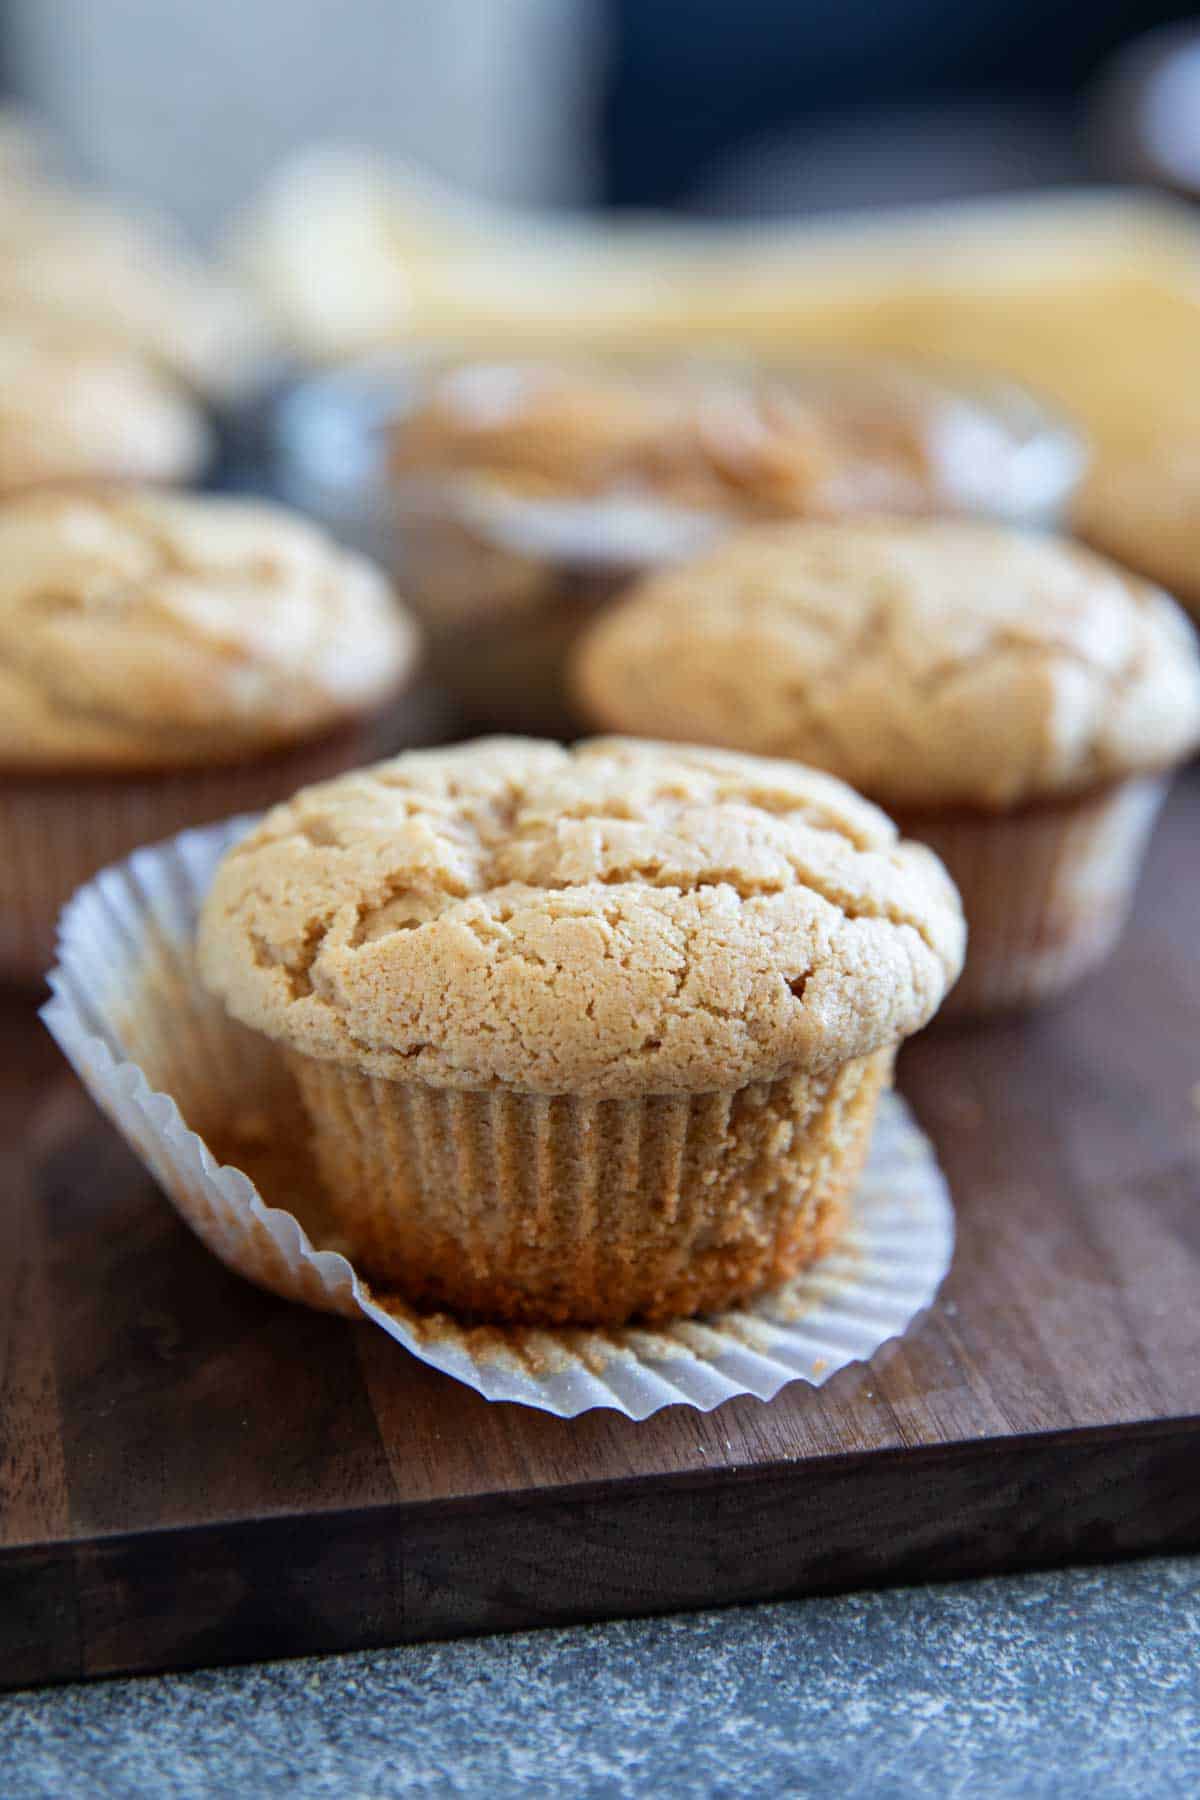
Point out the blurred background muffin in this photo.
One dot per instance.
(77, 408)
(166, 660)
(76, 261)
(516, 498)
(1011, 699)
(825, 440)
(1143, 507)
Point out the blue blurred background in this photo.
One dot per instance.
(773, 105)
(719, 106)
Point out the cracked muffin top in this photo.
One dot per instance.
(930, 663)
(147, 630)
(618, 919)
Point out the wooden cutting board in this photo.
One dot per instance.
(193, 1472)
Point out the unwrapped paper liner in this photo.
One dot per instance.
(129, 1013)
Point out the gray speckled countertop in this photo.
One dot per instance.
(1079, 1682)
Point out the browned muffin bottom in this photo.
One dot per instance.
(547, 1209)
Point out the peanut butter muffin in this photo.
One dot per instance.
(164, 660)
(1142, 506)
(530, 493)
(1013, 700)
(75, 409)
(585, 1034)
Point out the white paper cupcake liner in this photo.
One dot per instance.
(160, 1057)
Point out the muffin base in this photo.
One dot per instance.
(56, 830)
(1046, 889)
(549, 1209)
(508, 671)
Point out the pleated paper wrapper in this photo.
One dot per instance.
(207, 1105)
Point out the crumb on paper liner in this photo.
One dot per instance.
(201, 1100)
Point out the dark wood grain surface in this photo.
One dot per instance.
(191, 1471)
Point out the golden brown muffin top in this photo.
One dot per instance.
(617, 919)
(74, 408)
(144, 630)
(928, 663)
(832, 441)
(1142, 506)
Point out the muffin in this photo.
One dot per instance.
(1142, 506)
(1013, 700)
(825, 441)
(165, 660)
(72, 261)
(583, 1035)
(515, 499)
(75, 409)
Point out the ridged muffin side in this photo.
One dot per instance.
(549, 1209)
